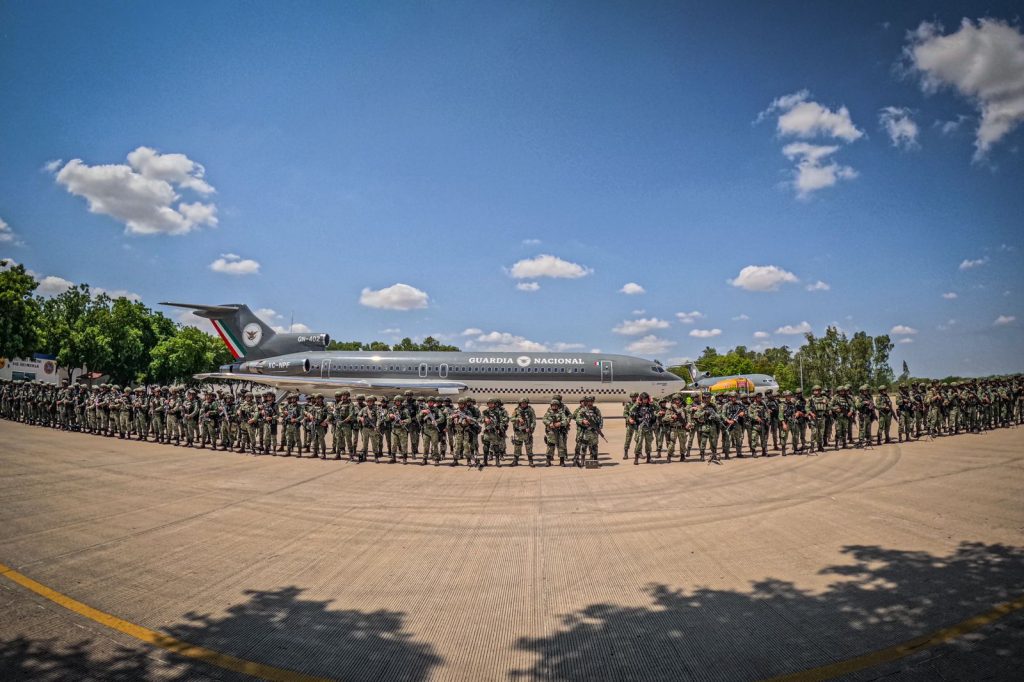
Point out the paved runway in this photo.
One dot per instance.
(753, 569)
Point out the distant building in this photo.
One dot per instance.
(40, 367)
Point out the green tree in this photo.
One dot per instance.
(61, 320)
(189, 351)
(19, 312)
(345, 345)
(881, 370)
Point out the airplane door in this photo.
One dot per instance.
(423, 370)
(442, 370)
(606, 371)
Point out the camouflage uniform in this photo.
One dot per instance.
(524, 423)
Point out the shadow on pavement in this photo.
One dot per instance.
(886, 597)
(275, 628)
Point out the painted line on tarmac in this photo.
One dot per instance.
(215, 658)
(893, 653)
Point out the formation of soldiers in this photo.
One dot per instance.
(442, 430)
(805, 424)
(402, 426)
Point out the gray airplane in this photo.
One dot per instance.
(301, 363)
(744, 383)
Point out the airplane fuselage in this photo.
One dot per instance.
(505, 375)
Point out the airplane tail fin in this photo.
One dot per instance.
(241, 331)
(695, 374)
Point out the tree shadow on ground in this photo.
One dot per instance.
(275, 628)
(884, 597)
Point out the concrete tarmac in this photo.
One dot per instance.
(752, 569)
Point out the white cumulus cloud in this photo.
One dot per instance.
(631, 289)
(1004, 319)
(641, 326)
(899, 126)
(233, 264)
(761, 335)
(472, 331)
(812, 172)
(51, 285)
(950, 295)
(818, 286)
(705, 333)
(395, 297)
(902, 330)
(906, 340)
(267, 314)
(650, 345)
(6, 233)
(117, 293)
(546, 265)
(295, 328)
(690, 317)
(528, 286)
(563, 347)
(792, 330)
(144, 193)
(984, 62)
(799, 116)
(762, 278)
(968, 263)
(504, 341)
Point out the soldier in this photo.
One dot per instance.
(885, 413)
(124, 414)
(491, 433)
(318, 419)
(445, 433)
(817, 409)
(399, 419)
(675, 422)
(658, 429)
(460, 422)
(228, 422)
(704, 422)
(140, 413)
(248, 424)
(556, 428)
(787, 415)
(920, 409)
(345, 424)
(841, 408)
(370, 418)
(630, 428)
(864, 406)
(799, 438)
(503, 422)
(642, 417)
(190, 417)
(413, 427)
(905, 414)
(774, 423)
(933, 403)
(524, 423)
(758, 421)
(291, 417)
(430, 418)
(589, 424)
(734, 415)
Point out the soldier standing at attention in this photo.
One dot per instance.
(460, 423)
(758, 419)
(345, 414)
(588, 425)
(630, 428)
(357, 430)
(555, 431)
(491, 426)
(674, 422)
(774, 422)
(428, 417)
(319, 419)
(248, 424)
(642, 417)
(140, 410)
(866, 412)
(817, 409)
(524, 422)
(291, 418)
(400, 418)
(787, 417)
(734, 414)
(190, 414)
(371, 418)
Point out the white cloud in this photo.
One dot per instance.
(792, 330)
(650, 345)
(950, 295)
(900, 127)
(143, 194)
(51, 285)
(983, 62)
(950, 127)
(233, 264)
(6, 233)
(1004, 319)
(705, 333)
(268, 314)
(395, 297)
(631, 289)
(296, 328)
(902, 330)
(390, 330)
(562, 347)
(472, 331)
(741, 317)
(811, 173)
(546, 265)
(638, 311)
(52, 166)
(818, 286)
(801, 117)
(690, 317)
(117, 293)
(762, 278)
(504, 341)
(761, 335)
(968, 263)
(641, 326)
(906, 340)
(528, 286)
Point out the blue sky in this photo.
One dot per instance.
(342, 147)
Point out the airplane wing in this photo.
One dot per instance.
(320, 384)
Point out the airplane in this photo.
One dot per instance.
(301, 363)
(744, 383)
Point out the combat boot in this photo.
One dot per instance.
(561, 461)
